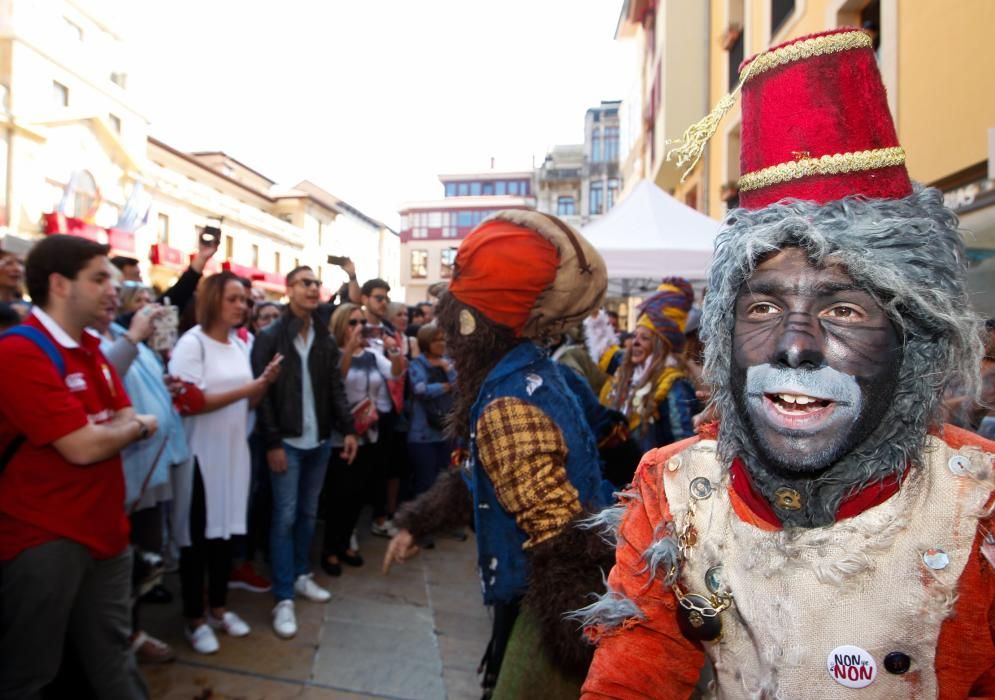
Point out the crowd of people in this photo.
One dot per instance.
(203, 424)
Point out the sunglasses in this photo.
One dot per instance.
(357, 321)
(308, 283)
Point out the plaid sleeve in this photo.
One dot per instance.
(524, 454)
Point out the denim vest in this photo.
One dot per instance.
(526, 373)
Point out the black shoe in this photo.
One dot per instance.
(157, 594)
(330, 568)
(351, 559)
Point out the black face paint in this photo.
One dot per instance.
(792, 315)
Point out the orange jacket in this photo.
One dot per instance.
(650, 658)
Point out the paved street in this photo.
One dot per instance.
(418, 634)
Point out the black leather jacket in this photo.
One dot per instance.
(278, 415)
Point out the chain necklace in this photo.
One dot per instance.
(698, 615)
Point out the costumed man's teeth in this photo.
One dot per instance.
(794, 398)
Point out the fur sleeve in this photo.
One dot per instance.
(641, 651)
(565, 571)
(445, 506)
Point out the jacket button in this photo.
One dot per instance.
(896, 662)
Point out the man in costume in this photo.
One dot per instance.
(829, 533)
(651, 387)
(533, 468)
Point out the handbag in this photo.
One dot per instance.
(365, 414)
(438, 408)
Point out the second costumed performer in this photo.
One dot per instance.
(533, 467)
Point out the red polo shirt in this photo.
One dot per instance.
(43, 496)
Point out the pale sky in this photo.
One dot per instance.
(372, 99)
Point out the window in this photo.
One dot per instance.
(464, 189)
(612, 193)
(611, 143)
(488, 188)
(86, 198)
(500, 187)
(780, 10)
(597, 194)
(419, 264)
(735, 58)
(115, 122)
(464, 219)
(60, 93)
(513, 188)
(565, 206)
(446, 262)
(450, 189)
(255, 255)
(276, 262)
(525, 188)
(229, 247)
(596, 146)
(162, 229)
(475, 189)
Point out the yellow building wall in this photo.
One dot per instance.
(946, 97)
(944, 106)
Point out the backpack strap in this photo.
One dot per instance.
(45, 344)
(42, 341)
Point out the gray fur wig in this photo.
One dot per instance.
(909, 255)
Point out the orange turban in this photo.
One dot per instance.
(501, 269)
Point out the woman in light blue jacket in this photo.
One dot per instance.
(433, 380)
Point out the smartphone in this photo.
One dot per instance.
(338, 260)
(211, 235)
(164, 329)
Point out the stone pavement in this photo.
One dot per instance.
(416, 634)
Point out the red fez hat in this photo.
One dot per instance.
(816, 124)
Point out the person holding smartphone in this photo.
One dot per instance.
(295, 421)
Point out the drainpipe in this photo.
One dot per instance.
(705, 184)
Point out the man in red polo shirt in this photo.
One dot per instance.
(65, 565)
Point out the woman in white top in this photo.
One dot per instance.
(348, 486)
(211, 491)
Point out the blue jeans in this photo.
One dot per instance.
(295, 509)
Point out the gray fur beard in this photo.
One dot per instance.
(894, 445)
(909, 254)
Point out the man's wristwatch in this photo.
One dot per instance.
(143, 430)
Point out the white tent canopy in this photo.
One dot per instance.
(649, 234)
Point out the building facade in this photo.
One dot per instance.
(431, 231)
(76, 157)
(931, 56)
(581, 182)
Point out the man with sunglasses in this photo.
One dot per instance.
(294, 422)
(375, 295)
(383, 337)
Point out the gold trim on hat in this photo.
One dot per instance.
(691, 145)
(826, 165)
(816, 46)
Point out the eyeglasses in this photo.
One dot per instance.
(357, 321)
(380, 297)
(308, 283)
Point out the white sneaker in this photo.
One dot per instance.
(305, 586)
(284, 620)
(388, 529)
(202, 639)
(230, 623)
